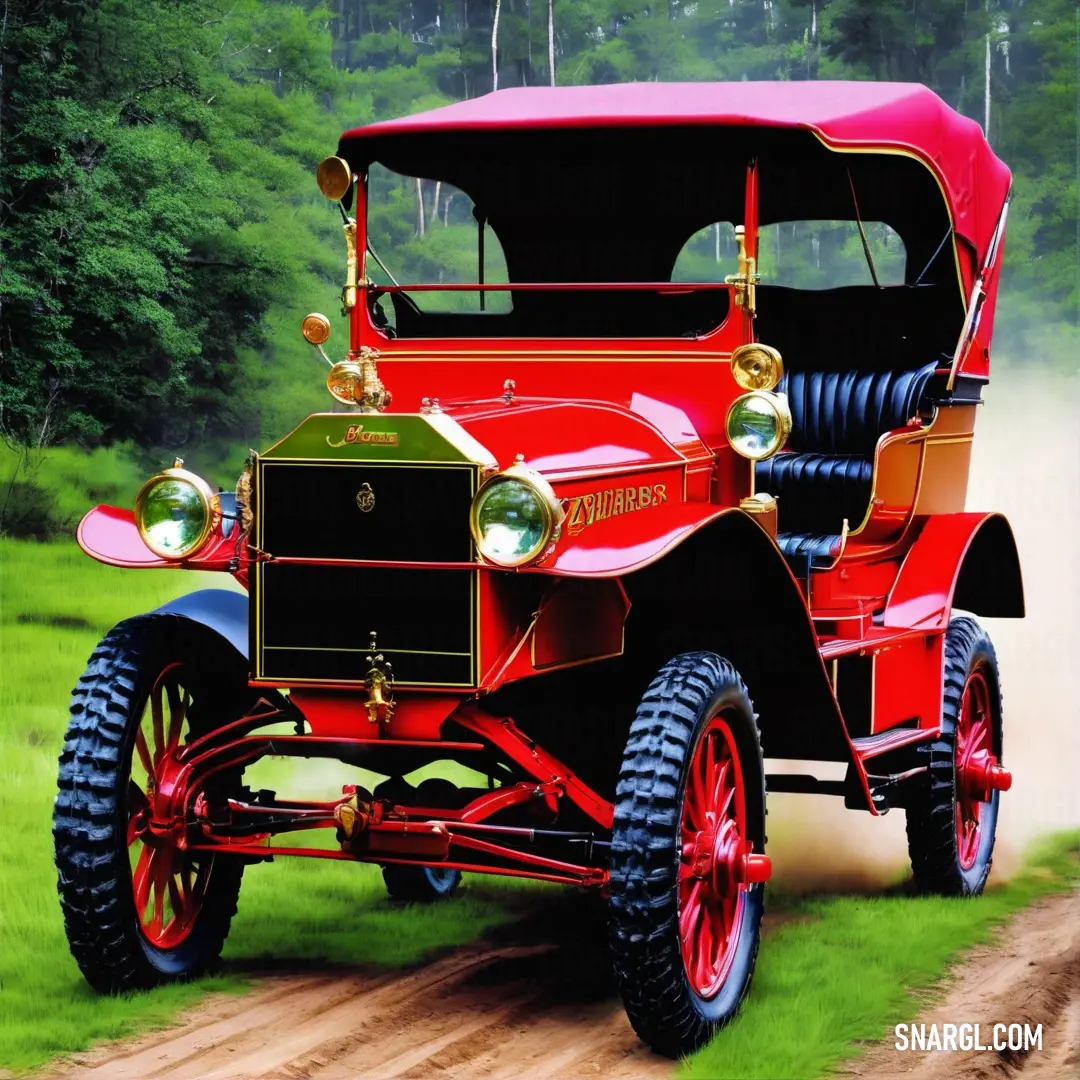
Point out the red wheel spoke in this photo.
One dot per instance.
(690, 910)
(137, 800)
(708, 767)
(141, 880)
(719, 780)
(705, 957)
(144, 752)
(178, 705)
(979, 738)
(159, 730)
(202, 879)
(175, 897)
(695, 803)
(160, 874)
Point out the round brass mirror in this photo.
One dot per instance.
(334, 178)
(757, 367)
(315, 328)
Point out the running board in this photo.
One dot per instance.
(871, 746)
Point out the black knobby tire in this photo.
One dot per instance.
(90, 818)
(932, 803)
(644, 934)
(420, 884)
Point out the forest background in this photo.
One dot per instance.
(161, 234)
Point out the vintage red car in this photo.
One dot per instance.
(610, 539)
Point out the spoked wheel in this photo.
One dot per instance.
(711, 890)
(952, 813)
(974, 756)
(688, 864)
(169, 884)
(138, 908)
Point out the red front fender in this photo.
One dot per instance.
(624, 544)
(109, 534)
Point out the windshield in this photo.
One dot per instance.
(625, 216)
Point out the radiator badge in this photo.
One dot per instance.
(583, 510)
(357, 434)
(365, 498)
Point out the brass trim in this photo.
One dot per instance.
(210, 503)
(757, 367)
(330, 648)
(316, 328)
(760, 502)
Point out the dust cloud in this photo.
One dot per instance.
(1026, 464)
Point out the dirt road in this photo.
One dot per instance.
(1030, 974)
(514, 1006)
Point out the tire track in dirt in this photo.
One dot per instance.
(1029, 974)
(535, 1000)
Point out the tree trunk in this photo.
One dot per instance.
(551, 41)
(495, 46)
(420, 225)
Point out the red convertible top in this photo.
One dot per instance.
(898, 117)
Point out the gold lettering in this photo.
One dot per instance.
(590, 509)
(575, 520)
(659, 493)
(631, 499)
(644, 497)
(617, 505)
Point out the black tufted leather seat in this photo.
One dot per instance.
(825, 474)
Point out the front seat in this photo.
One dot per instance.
(825, 475)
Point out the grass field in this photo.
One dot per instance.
(54, 605)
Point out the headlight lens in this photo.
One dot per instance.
(515, 516)
(758, 424)
(174, 514)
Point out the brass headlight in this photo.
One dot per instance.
(757, 367)
(345, 381)
(758, 424)
(175, 512)
(515, 516)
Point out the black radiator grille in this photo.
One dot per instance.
(417, 513)
(312, 622)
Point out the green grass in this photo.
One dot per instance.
(847, 968)
(54, 605)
